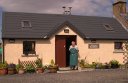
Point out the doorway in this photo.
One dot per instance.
(69, 39)
(62, 44)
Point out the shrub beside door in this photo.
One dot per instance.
(3, 68)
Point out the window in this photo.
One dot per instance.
(108, 27)
(28, 47)
(26, 24)
(118, 45)
(12, 40)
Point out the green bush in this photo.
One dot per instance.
(93, 65)
(39, 63)
(52, 64)
(3, 65)
(114, 64)
(106, 66)
(19, 66)
(30, 68)
(82, 63)
(97, 65)
(45, 66)
(87, 65)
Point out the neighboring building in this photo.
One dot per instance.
(27, 36)
(120, 13)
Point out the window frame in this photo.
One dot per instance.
(23, 25)
(32, 51)
(108, 29)
(119, 46)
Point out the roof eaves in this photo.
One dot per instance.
(106, 38)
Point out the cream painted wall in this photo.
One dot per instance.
(46, 50)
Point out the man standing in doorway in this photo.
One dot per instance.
(73, 55)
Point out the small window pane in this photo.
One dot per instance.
(108, 27)
(26, 24)
(28, 47)
(118, 45)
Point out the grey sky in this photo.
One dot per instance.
(80, 7)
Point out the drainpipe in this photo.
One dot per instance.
(3, 51)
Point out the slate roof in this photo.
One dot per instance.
(45, 25)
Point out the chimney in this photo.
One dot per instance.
(119, 7)
(120, 13)
(67, 12)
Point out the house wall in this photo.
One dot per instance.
(46, 50)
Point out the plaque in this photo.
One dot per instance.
(93, 46)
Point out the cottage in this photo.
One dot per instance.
(27, 36)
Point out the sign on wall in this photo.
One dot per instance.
(93, 46)
(66, 30)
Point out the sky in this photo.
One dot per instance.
(79, 7)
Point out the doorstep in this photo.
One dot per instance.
(64, 69)
(67, 70)
(71, 71)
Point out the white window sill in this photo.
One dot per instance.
(118, 51)
(30, 55)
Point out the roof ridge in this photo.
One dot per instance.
(55, 14)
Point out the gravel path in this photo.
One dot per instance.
(97, 76)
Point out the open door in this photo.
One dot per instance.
(62, 54)
(60, 51)
(69, 39)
